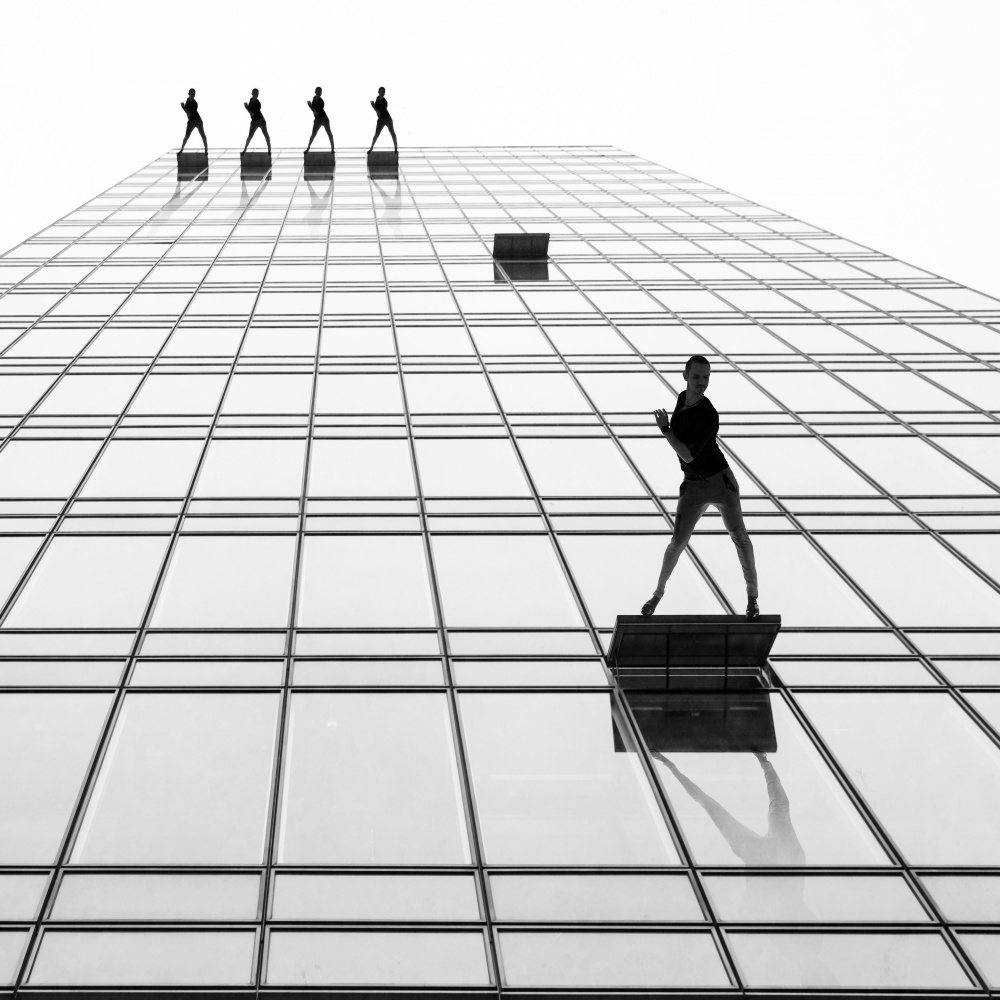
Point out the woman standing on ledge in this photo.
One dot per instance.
(381, 106)
(190, 106)
(320, 118)
(256, 120)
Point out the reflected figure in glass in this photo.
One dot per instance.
(194, 121)
(256, 120)
(320, 118)
(691, 431)
(381, 106)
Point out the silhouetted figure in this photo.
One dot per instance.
(768, 898)
(691, 432)
(256, 120)
(778, 847)
(190, 107)
(320, 119)
(381, 106)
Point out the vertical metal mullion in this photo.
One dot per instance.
(284, 705)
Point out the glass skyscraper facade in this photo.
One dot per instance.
(315, 526)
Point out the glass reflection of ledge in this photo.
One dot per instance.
(255, 165)
(191, 165)
(383, 164)
(730, 721)
(319, 165)
(520, 270)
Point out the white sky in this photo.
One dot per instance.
(874, 118)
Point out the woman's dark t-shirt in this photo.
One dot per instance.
(697, 428)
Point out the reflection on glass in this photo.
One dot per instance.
(144, 958)
(787, 898)
(737, 805)
(185, 781)
(377, 958)
(610, 959)
(371, 779)
(847, 961)
(550, 788)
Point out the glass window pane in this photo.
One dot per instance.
(11, 949)
(541, 597)
(556, 794)
(794, 466)
(18, 393)
(185, 781)
(627, 392)
(46, 743)
(483, 467)
(449, 394)
(806, 898)
(811, 595)
(929, 773)
(364, 468)
(98, 582)
(908, 465)
(539, 393)
(601, 958)
(269, 394)
(89, 394)
(985, 952)
(44, 468)
(365, 581)
(616, 573)
(371, 779)
(243, 468)
(15, 554)
(579, 467)
(778, 809)
(375, 897)
(227, 582)
(178, 394)
(377, 958)
(966, 898)
(847, 961)
(810, 392)
(901, 391)
(144, 469)
(894, 570)
(21, 895)
(579, 898)
(144, 958)
(358, 394)
(156, 897)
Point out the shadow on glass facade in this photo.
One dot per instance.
(315, 526)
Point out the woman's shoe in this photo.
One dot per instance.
(752, 610)
(650, 606)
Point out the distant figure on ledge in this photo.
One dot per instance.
(320, 118)
(190, 107)
(381, 106)
(708, 480)
(256, 120)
